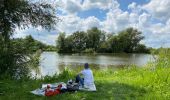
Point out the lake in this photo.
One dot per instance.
(52, 62)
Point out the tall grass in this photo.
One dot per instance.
(34, 61)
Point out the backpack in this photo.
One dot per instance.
(72, 86)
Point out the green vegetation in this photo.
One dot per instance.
(18, 57)
(95, 40)
(149, 82)
(30, 45)
(20, 14)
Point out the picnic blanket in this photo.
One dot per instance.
(41, 91)
(88, 87)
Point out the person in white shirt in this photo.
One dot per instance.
(87, 79)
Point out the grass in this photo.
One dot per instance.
(151, 82)
(131, 83)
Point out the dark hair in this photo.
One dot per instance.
(86, 65)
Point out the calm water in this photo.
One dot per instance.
(52, 62)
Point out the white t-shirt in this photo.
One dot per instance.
(88, 76)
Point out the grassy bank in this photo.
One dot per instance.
(150, 82)
(124, 84)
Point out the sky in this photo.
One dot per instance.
(151, 17)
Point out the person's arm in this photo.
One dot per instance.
(80, 73)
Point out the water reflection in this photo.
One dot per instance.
(52, 62)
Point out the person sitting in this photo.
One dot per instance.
(87, 81)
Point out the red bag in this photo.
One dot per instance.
(50, 92)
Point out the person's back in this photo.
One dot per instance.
(88, 76)
(88, 81)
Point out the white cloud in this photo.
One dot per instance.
(157, 33)
(101, 4)
(69, 24)
(135, 8)
(74, 6)
(69, 6)
(144, 21)
(158, 8)
(161, 29)
(132, 5)
(166, 28)
(115, 21)
(91, 22)
(72, 23)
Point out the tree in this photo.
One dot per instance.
(20, 14)
(130, 39)
(79, 40)
(94, 38)
(29, 43)
(103, 45)
(23, 13)
(61, 43)
(69, 44)
(103, 48)
(115, 44)
(141, 48)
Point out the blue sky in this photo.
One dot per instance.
(152, 17)
(101, 14)
(124, 3)
(98, 13)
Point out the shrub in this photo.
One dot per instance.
(90, 50)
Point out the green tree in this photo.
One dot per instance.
(33, 45)
(79, 40)
(103, 45)
(94, 38)
(20, 14)
(69, 44)
(61, 43)
(129, 39)
(29, 43)
(115, 44)
(141, 48)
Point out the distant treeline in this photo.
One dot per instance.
(95, 40)
(30, 45)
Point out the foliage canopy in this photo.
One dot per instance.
(20, 14)
(95, 40)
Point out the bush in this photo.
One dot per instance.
(90, 50)
(16, 61)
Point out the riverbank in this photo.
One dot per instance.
(133, 83)
(149, 82)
